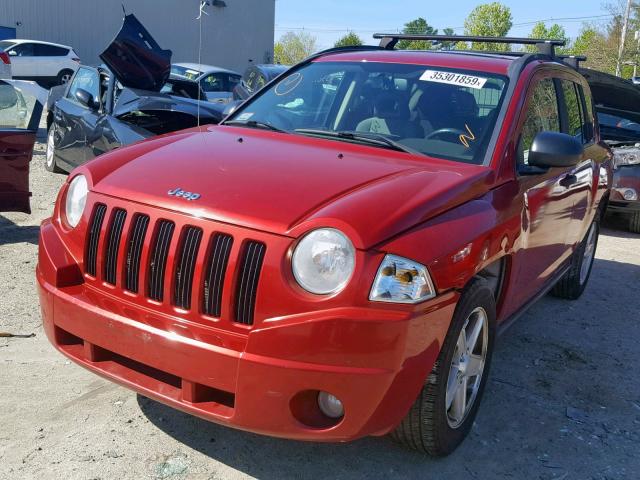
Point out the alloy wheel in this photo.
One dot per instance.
(50, 146)
(588, 255)
(467, 367)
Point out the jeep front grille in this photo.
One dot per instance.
(250, 266)
(182, 264)
(113, 245)
(134, 252)
(158, 259)
(215, 270)
(91, 252)
(185, 266)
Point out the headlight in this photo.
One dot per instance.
(323, 261)
(626, 156)
(76, 200)
(400, 280)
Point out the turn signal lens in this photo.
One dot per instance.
(400, 280)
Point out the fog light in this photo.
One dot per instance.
(629, 194)
(330, 405)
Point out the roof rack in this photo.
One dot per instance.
(545, 47)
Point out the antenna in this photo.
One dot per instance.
(203, 5)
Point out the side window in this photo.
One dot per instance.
(86, 79)
(213, 83)
(574, 110)
(22, 50)
(542, 115)
(44, 50)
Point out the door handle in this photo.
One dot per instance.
(569, 180)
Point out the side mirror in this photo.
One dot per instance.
(12, 53)
(553, 149)
(85, 98)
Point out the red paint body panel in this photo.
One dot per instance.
(16, 149)
(272, 188)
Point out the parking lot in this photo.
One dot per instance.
(563, 399)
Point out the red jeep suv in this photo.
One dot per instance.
(335, 259)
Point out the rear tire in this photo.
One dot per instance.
(435, 424)
(64, 77)
(572, 284)
(50, 158)
(634, 222)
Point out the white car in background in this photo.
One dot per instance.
(43, 62)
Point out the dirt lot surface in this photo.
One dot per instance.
(563, 400)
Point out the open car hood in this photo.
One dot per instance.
(136, 59)
(612, 92)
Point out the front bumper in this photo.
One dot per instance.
(263, 381)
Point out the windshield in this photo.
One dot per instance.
(442, 113)
(189, 73)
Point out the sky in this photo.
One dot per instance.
(328, 20)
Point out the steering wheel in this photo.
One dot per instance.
(451, 132)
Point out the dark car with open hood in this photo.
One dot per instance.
(336, 259)
(129, 98)
(617, 103)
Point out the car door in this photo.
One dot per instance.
(547, 196)
(23, 64)
(75, 122)
(20, 114)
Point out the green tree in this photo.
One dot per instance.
(419, 26)
(554, 32)
(292, 48)
(448, 45)
(351, 39)
(489, 20)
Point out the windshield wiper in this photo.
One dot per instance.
(363, 137)
(255, 124)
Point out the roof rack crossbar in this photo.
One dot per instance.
(545, 46)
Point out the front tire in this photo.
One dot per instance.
(442, 415)
(572, 284)
(50, 159)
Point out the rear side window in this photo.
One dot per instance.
(43, 50)
(22, 50)
(542, 115)
(575, 122)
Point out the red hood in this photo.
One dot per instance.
(288, 184)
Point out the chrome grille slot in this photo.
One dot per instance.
(215, 270)
(134, 252)
(158, 259)
(118, 218)
(91, 251)
(185, 267)
(250, 265)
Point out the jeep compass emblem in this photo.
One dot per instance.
(178, 192)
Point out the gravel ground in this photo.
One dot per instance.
(563, 401)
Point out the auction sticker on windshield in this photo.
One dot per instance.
(452, 78)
